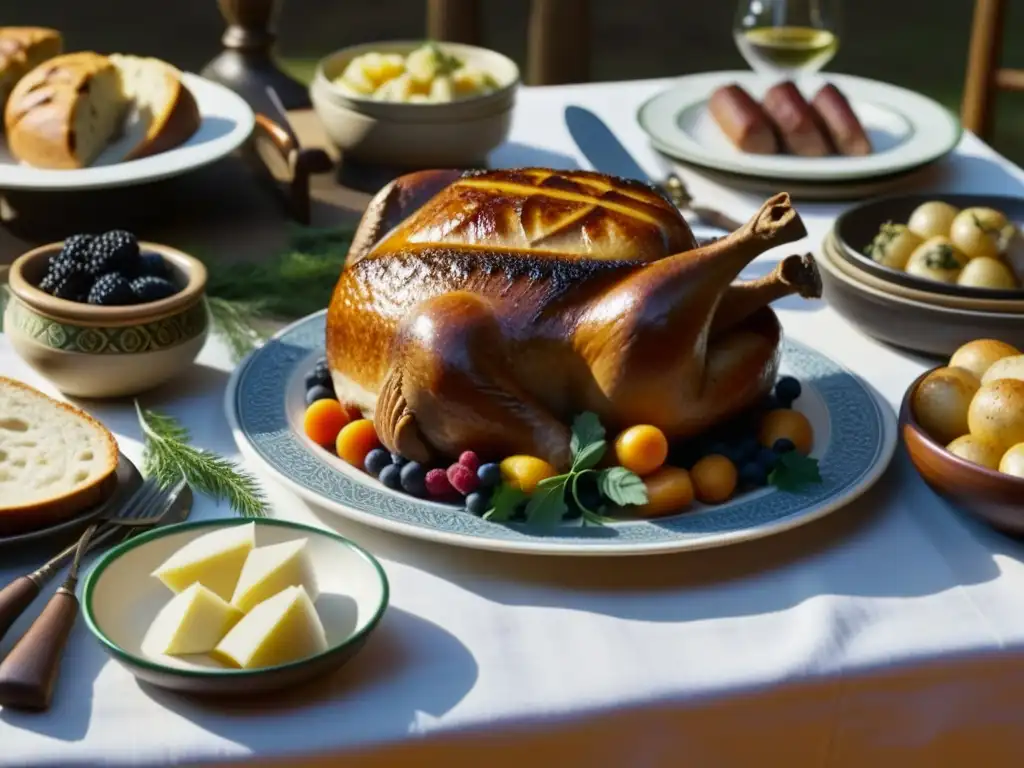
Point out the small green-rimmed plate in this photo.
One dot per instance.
(121, 599)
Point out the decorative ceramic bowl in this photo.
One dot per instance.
(409, 135)
(93, 351)
(928, 328)
(121, 598)
(992, 496)
(856, 228)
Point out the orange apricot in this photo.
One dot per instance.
(525, 472)
(355, 440)
(714, 479)
(784, 423)
(669, 490)
(323, 421)
(641, 449)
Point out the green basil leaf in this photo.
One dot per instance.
(547, 506)
(556, 480)
(504, 503)
(794, 471)
(586, 429)
(622, 487)
(590, 456)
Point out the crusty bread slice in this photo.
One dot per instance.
(21, 50)
(55, 460)
(163, 114)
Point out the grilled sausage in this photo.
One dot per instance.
(796, 122)
(842, 124)
(743, 120)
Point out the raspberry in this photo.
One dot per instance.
(471, 460)
(462, 478)
(437, 483)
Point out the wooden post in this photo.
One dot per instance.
(558, 48)
(983, 65)
(455, 21)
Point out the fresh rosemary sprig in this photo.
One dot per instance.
(169, 456)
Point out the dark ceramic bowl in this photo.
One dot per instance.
(857, 227)
(992, 496)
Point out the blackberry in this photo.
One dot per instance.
(149, 288)
(152, 265)
(111, 290)
(73, 284)
(115, 251)
(76, 248)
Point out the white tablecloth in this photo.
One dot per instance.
(890, 632)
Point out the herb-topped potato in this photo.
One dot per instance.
(893, 245)
(987, 272)
(937, 259)
(932, 218)
(980, 232)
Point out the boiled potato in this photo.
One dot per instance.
(399, 89)
(1011, 367)
(978, 232)
(976, 450)
(996, 412)
(428, 74)
(936, 259)
(468, 81)
(356, 78)
(976, 356)
(441, 89)
(1012, 462)
(941, 401)
(893, 245)
(986, 272)
(931, 219)
(1013, 254)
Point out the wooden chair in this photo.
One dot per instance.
(985, 76)
(558, 43)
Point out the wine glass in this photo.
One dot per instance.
(787, 38)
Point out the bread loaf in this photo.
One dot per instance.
(55, 460)
(21, 50)
(64, 112)
(163, 112)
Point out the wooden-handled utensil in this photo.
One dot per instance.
(29, 673)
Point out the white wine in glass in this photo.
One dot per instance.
(787, 38)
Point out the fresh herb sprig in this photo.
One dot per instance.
(793, 471)
(547, 506)
(168, 456)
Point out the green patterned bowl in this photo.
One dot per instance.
(91, 351)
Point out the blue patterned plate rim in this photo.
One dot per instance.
(862, 438)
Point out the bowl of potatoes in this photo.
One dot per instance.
(411, 104)
(963, 428)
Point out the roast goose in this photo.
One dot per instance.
(483, 310)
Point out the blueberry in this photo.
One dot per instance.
(478, 503)
(747, 448)
(398, 460)
(152, 264)
(319, 376)
(376, 460)
(318, 392)
(787, 389)
(720, 447)
(783, 445)
(753, 474)
(489, 475)
(767, 458)
(413, 477)
(391, 477)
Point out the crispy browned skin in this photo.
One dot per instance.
(839, 120)
(796, 122)
(743, 120)
(483, 311)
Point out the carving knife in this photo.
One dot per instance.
(606, 154)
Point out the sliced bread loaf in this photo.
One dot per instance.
(66, 111)
(55, 460)
(163, 112)
(21, 50)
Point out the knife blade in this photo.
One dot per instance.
(606, 154)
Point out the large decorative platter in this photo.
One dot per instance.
(906, 129)
(227, 122)
(855, 434)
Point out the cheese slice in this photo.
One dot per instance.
(214, 560)
(194, 621)
(282, 629)
(270, 569)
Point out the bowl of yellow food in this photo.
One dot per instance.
(412, 104)
(234, 607)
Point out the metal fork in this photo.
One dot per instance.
(28, 674)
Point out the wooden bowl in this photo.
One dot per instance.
(930, 329)
(92, 351)
(409, 135)
(121, 598)
(992, 496)
(857, 227)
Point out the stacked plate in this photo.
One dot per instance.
(902, 309)
(908, 132)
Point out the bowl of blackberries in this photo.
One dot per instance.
(105, 315)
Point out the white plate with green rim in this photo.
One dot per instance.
(855, 435)
(121, 598)
(906, 129)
